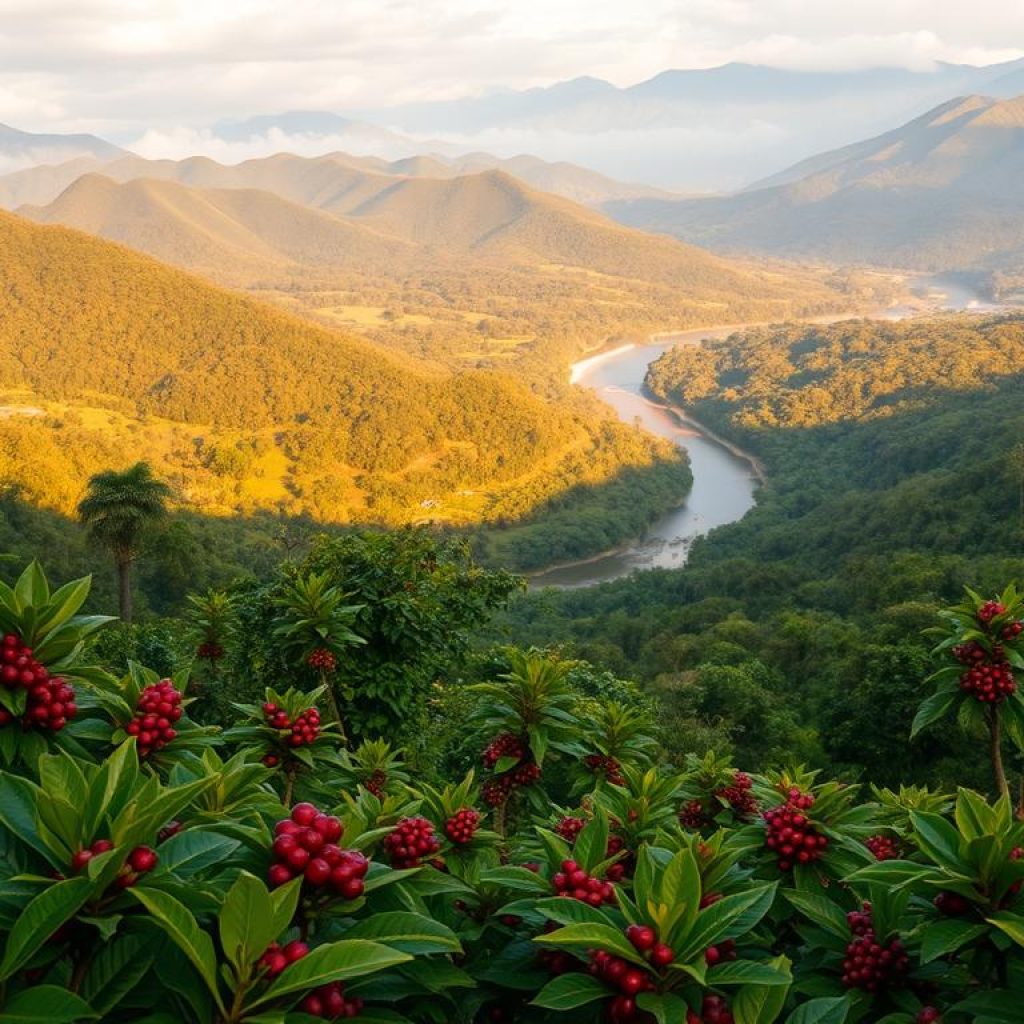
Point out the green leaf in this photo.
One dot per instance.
(46, 1004)
(177, 920)
(566, 911)
(761, 1004)
(1011, 924)
(592, 842)
(942, 937)
(594, 936)
(938, 840)
(336, 961)
(747, 972)
(18, 801)
(821, 910)
(285, 899)
(973, 815)
(727, 919)
(516, 878)
(118, 967)
(193, 850)
(667, 1008)
(931, 710)
(821, 1011)
(40, 919)
(246, 923)
(411, 933)
(568, 991)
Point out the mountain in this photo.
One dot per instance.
(700, 129)
(38, 186)
(327, 214)
(23, 149)
(235, 234)
(942, 192)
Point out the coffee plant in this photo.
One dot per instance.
(154, 870)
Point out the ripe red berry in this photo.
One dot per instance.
(279, 874)
(642, 937)
(142, 859)
(662, 955)
(927, 1015)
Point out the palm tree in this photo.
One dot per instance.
(117, 509)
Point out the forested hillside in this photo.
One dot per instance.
(895, 474)
(109, 356)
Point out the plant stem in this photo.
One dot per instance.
(996, 752)
(335, 710)
(289, 785)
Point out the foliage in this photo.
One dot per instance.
(132, 888)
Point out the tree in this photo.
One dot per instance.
(117, 510)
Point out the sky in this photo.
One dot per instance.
(121, 67)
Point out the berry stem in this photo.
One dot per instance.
(996, 750)
(289, 785)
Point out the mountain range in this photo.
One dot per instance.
(942, 192)
(26, 149)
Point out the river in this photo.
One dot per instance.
(724, 483)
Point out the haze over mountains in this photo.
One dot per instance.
(27, 149)
(942, 192)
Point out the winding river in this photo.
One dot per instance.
(724, 482)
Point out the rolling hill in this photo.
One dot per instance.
(940, 193)
(234, 235)
(39, 185)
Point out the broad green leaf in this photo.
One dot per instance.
(821, 1011)
(938, 840)
(1011, 924)
(761, 1004)
(41, 918)
(974, 817)
(568, 991)
(285, 899)
(118, 967)
(941, 937)
(594, 936)
(747, 972)
(335, 961)
(46, 1004)
(727, 919)
(592, 842)
(177, 920)
(193, 850)
(932, 709)
(411, 933)
(820, 909)
(246, 922)
(667, 1008)
(568, 911)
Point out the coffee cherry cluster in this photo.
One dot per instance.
(140, 862)
(51, 701)
(693, 815)
(304, 729)
(989, 610)
(377, 783)
(645, 941)
(322, 658)
(497, 790)
(928, 1015)
(569, 828)
(738, 795)
(573, 881)
(462, 825)
(869, 964)
(714, 1010)
(617, 872)
(556, 961)
(609, 765)
(277, 958)
(721, 953)
(990, 682)
(505, 745)
(306, 844)
(626, 977)
(411, 842)
(951, 904)
(883, 847)
(790, 834)
(329, 1001)
(156, 711)
(1012, 631)
(209, 650)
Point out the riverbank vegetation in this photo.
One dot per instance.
(793, 627)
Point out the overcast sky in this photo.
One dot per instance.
(117, 67)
